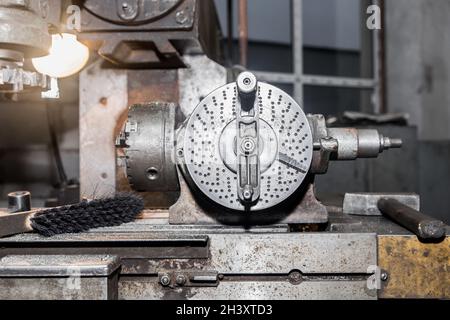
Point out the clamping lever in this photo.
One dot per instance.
(247, 139)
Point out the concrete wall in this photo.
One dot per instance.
(418, 64)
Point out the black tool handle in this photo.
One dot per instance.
(420, 224)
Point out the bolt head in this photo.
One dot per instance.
(246, 82)
(181, 280)
(384, 276)
(248, 145)
(181, 17)
(165, 280)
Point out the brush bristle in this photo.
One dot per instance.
(87, 215)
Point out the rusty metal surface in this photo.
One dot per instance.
(99, 17)
(127, 245)
(61, 277)
(66, 288)
(146, 86)
(30, 36)
(250, 290)
(415, 269)
(262, 264)
(282, 253)
(201, 76)
(191, 209)
(103, 111)
(103, 100)
(58, 265)
(423, 226)
(137, 12)
(367, 203)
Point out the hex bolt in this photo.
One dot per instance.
(165, 280)
(384, 276)
(180, 280)
(181, 17)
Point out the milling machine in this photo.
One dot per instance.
(225, 163)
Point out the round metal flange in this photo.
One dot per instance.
(285, 146)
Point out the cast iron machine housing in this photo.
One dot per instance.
(26, 27)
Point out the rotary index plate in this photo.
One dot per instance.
(280, 179)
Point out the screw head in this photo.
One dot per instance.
(384, 276)
(246, 82)
(181, 17)
(165, 280)
(180, 280)
(248, 145)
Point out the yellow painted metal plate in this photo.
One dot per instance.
(415, 269)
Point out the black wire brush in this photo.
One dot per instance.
(106, 212)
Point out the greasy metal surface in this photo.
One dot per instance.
(258, 266)
(282, 253)
(149, 147)
(151, 16)
(23, 30)
(356, 143)
(331, 265)
(137, 12)
(415, 269)
(101, 107)
(13, 223)
(58, 265)
(367, 203)
(343, 223)
(130, 245)
(201, 76)
(302, 209)
(56, 288)
(251, 290)
(153, 39)
(142, 86)
(161, 225)
(204, 159)
(256, 253)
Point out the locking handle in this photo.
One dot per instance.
(247, 140)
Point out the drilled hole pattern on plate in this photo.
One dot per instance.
(202, 153)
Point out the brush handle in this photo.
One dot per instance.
(14, 223)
